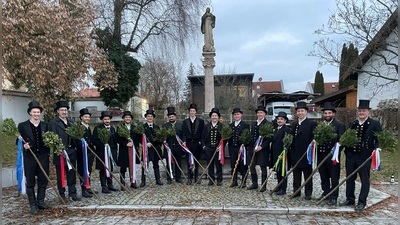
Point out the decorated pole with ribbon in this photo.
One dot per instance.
(86, 174)
(221, 152)
(288, 173)
(344, 180)
(257, 143)
(20, 168)
(206, 169)
(173, 158)
(132, 164)
(236, 164)
(169, 160)
(266, 180)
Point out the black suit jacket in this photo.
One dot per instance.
(206, 133)
(300, 143)
(57, 126)
(369, 141)
(123, 153)
(262, 157)
(100, 146)
(277, 143)
(187, 133)
(150, 134)
(235, 138)
(25, 131)
(88, 136)
(326, 148)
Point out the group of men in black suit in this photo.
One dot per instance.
(199, 138)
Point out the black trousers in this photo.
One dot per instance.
(209, 151)
(71, 177)
(279, 176)
(177, 152)
(330, 175)
(196, 150)
(352, 163)
(306, 171)
(79, 160)
(233, 154)
(32, 170)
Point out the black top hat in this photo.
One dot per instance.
(282, 114)
(329, 106)
(363, 104)
(127, 113)
(105, 114)
(150, 111)
(260, 108)
(214, 110)
(193, 106)
(171, 111)
(84, 111)
(34, 104)
(61, 104)
(237, 110)
(301, 105)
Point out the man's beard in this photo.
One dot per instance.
(172, 121)
(328, 119)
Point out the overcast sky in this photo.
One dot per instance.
(270, 38)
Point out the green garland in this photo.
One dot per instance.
(349, 138)
(104, 135)
(226, 132)
(9, 127)
(266, 130)
(287, 140)
(139, 130)
(54, 142)
(76, 131)
(245, 137)
(387, 141)
(161, 134)
(171, 132)
(324, 133)
(123, 131)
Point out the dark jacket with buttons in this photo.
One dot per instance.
(302, 137)
(369, 142)
(277, 143)
(26, 133)
(326, 148)
(234, 141)
(262, 157)
(57, 126)
(100, 146)
(150, 134)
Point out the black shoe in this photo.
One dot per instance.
(66, 200)
(332, 201)
(134, 186)
(75, 198)
(179, 180)
(307, 197)
(252, 186)
(360, 207)
(91, 191)
(34, 209)
(347, 203)
(210, 183)
(111, 188)
(280, 192)
(158, 182)
(189, 182)
(320, 197)
(234, 184)
(169, 181)
(243, 185)
(142, 184)
(105, 190)
(219, 183)
(86, 194)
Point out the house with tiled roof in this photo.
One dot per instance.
(329, 87)
(261, 87)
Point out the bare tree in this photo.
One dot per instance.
(362, 23)
(134, 22)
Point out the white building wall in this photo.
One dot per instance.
(376, 89)
(15, 107)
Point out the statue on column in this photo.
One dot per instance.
(207, 25)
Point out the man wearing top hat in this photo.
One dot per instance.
(303, 134)
(124, 145)
(192, 129)
(174, 145)
(366, 129)
(85, 119)
(234, 145)
(58, 126)
(105, 180)
(210, 142)
(277, 147)
(328, 172)
(154, 147)
(31, 131)
(261, 152)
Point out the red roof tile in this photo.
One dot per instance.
(267, 86)
(89, 92)
(329, 87)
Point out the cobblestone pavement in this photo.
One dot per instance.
(202, 204)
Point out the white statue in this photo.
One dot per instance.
(207, 24)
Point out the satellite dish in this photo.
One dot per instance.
(260, 79)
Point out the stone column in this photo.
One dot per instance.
(209, 64)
